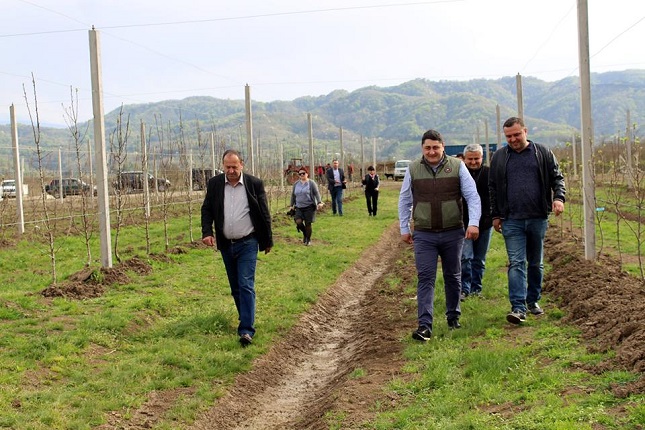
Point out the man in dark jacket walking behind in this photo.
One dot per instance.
(473, 255)
(526, 185)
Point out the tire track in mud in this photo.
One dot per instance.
(293, 385)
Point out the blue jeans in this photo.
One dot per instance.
(240, 261)
(473, 262)
(524, 245)
(337, 200)
(428, 247)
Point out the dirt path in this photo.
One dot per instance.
(355, 325)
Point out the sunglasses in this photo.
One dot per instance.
(302, 173)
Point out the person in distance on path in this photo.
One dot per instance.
(371, 183)
(431, 194)
(305, 201)
(336, 183)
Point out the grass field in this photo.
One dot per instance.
(69, 364)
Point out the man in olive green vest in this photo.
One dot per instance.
(431, 195)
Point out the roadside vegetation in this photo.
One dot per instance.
(167, 323)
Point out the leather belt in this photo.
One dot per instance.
(241, 239)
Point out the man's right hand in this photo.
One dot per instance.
(497, 225)
(407, 238)
(208, 241)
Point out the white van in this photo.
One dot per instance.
(400, 167)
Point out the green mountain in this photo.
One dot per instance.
(393, 117)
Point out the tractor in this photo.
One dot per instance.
(291, 172)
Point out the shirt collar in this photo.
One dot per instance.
(240, 181)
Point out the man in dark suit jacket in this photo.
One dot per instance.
(236, 204)
(336, 183)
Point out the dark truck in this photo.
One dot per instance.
(132, 182)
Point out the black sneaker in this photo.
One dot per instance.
(516, 317)
(453, 323)
(423, 333)
(246, 340)
(535, 309)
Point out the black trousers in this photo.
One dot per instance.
(371, 197)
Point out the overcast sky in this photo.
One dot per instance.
(158, 50)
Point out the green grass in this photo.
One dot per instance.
(68, 363)
(65, 364)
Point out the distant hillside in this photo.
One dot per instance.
(394, 116)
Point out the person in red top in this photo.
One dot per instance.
(320, 172)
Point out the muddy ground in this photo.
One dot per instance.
(358, 324)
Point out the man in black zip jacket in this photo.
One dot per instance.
(525, 185)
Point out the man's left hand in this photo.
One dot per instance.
(557, 207)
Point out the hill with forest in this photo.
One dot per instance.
(392, 117)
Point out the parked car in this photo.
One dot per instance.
(8, 188)
(132, 182)
(400, 167)
(69, 187)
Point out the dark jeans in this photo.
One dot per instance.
(473, 262)
(524, 240)
(428, 247)
(372, 201)
(337, 200)
(240, 260)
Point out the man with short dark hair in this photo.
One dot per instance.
(526, 185)
(431, 194)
